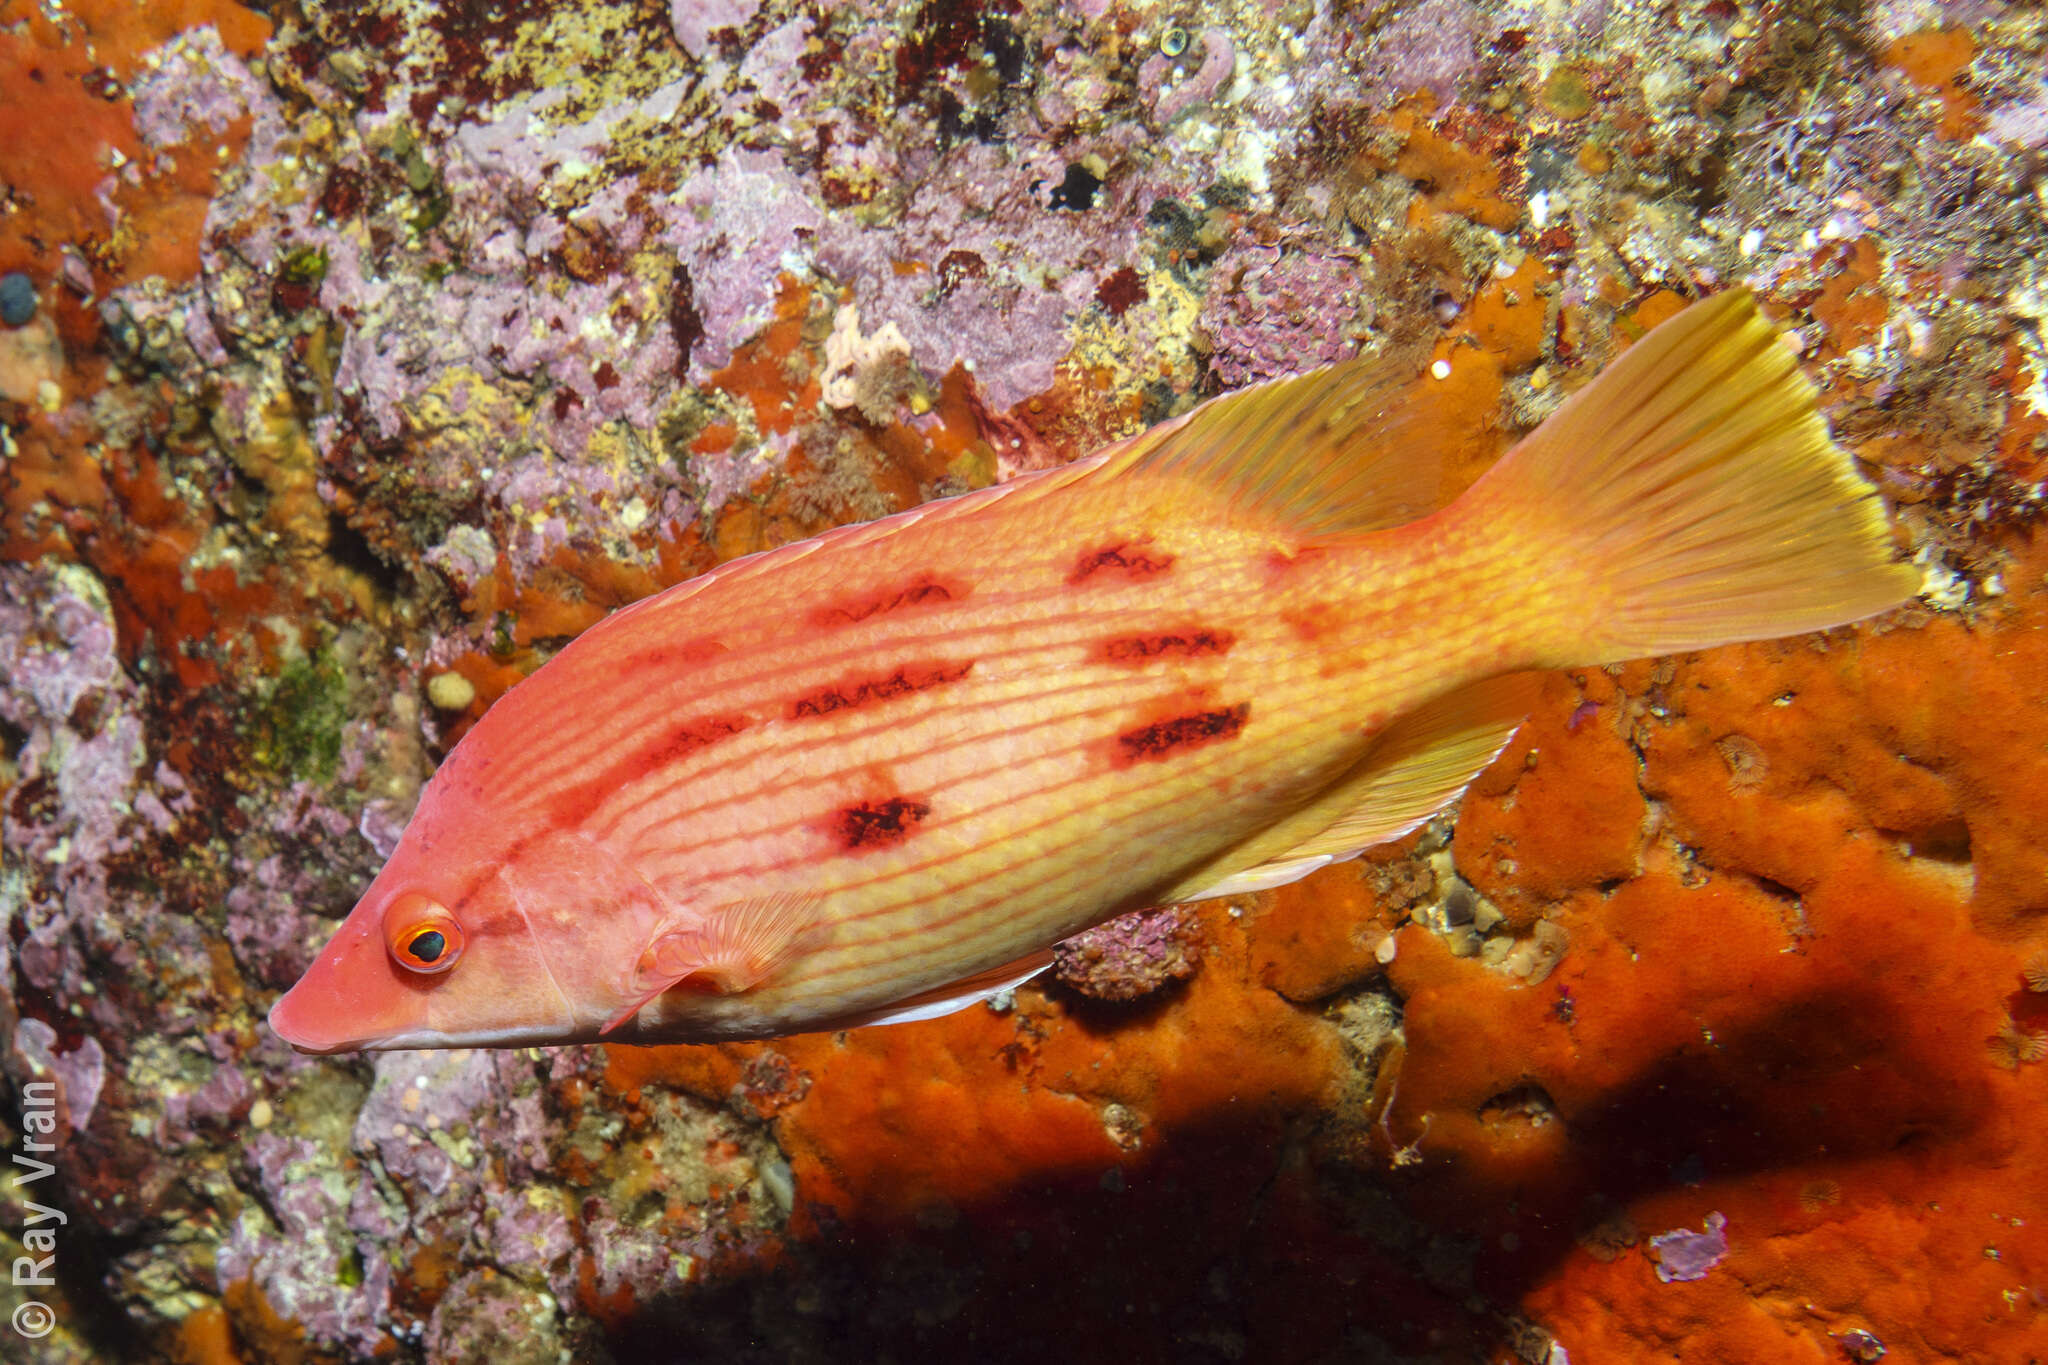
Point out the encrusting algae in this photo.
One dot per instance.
(876, 775)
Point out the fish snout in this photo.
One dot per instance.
(350, 998)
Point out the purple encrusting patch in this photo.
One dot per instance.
(1274, 312)
(79, 1073)
(84, 747)
(739, 224)
(695, 21)
(1027, 272)
(1131, 956)
(1683, 1254)
(196, 85)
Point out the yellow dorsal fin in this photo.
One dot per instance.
(1321, 453)
(1416, 767)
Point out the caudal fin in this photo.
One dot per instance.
(1697, 497)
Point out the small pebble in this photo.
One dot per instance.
(17, 299)
(450, 692)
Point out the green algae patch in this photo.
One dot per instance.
(296, 729)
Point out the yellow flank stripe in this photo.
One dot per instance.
(904, 935)
(1187, 783)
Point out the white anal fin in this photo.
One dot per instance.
(731, 949)
(952, 997)
(1419, 765)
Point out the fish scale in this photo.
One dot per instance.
(876, 775)
(906, 904)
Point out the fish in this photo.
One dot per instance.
(876, 775)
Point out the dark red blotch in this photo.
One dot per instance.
(1185, 644)
(877, 824)
(1128, 559)
(904, 681)
(1163, 739)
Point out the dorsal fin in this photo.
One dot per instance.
(1322, 453)
(1419, 765)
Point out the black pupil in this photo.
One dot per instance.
(429, 946)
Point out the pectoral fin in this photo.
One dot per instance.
(731, 949)
(1419, 765)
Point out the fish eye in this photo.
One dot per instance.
(421, 934)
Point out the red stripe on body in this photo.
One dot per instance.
(760, 869)
(899, 949)
(929, 939)
(540, 767)
(575, 804)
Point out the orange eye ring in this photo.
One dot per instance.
(421, 934)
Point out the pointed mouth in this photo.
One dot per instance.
(291, 1020)
(349, 999)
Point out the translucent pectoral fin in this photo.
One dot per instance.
(734, 948)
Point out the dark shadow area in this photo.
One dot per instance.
(1290, 1238)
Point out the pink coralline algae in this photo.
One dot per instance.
(1132, 956)
(1272, 311)
(81, 753)
(79, 1072)
(198, 85)
(1193, 80)
(697, 22)
(1428, 46)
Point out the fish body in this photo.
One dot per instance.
(877, 774)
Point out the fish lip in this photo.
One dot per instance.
(428, 1040)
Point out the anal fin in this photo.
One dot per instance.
(1418, 765)
(952, 997)
(731, 949)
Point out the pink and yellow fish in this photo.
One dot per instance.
(876, 775)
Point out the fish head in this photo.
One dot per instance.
(513, 951)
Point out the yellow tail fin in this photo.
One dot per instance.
(1697, 498)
